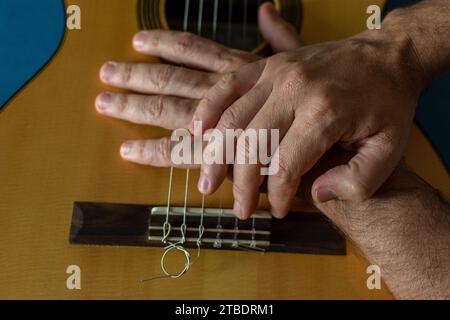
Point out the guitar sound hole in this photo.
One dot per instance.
(236, 24)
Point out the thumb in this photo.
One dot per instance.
(280, 34)
(363, 175)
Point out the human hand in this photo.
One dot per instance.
(360, 93)
(167, 95)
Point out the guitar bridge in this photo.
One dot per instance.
(143, 226)
(220, 229)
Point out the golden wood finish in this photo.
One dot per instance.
(55, 149)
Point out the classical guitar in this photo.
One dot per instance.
(67, 199)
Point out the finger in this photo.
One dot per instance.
(358, 180)
(302, 146)
(190, 50)
(231, 87)
(247, 173)
(280, 34)
(154, 152)
(214, 165)
(162, 111)
(309, 136)
(230, 126)
(154, 78)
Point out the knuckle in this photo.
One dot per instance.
(206, 103)
(322, 112)
(229, 119)
(154, 38)
(284, 174)
(297, 77)
(164, 148)
(229, 61)
(323, 121)
(163, 77)
(239, 188)
(327, 105)
(153, 109)
(359, 189)
(227, 81)
(142, 152)
(123, 105)
(127, 73)
(224, 60)
(184, 43)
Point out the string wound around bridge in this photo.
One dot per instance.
(167, 228)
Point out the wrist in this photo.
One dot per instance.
(395, 52)
(421, 32)
(404, 230)
(402, 189)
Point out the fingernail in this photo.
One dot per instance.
(203, 184)
(275, 213)
(139, 40)
(125, 149)
(108, 71)
(237, 209)
(325, 194)
(103, 101)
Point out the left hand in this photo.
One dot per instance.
(167, 96)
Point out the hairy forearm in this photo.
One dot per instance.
(405, 230)
(405, 227)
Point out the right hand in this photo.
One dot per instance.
(167, 96)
